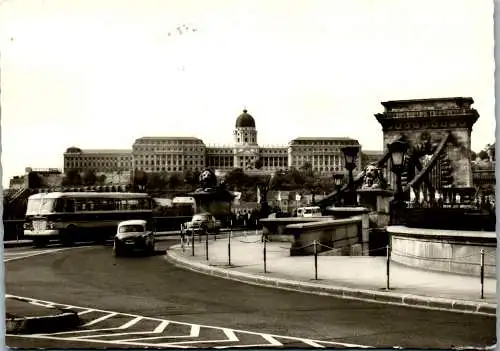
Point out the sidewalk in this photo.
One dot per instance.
(345, 276)
(25, 317)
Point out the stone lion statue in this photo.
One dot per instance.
(207, 179)
(373, 178)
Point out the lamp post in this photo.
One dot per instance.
(350, 155)
(397, 150)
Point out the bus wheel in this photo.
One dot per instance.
(68, 236)
(38, 243)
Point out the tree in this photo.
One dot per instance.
(139, 180)
(101, 179)
(473, 155)
(236, 179)
(72, 178)
(175, 181)
(490, 149)
(192, 178)
(154, 181)
(89, 177)
(483, 155)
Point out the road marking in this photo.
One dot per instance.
(86, 311)
(94, 335)
(130, 323)
(100, 319)
(16, 255)
(161, 327)
(52, 251)
(271, 340)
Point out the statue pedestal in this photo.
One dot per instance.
(378, 202)
(375, 199)
(213, 200)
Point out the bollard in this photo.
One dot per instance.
(482, 273)
(182, 240)
(315, 261)
(229, 250)
(192, 244)
(388, 254)
(265, 257)
(206, 244)
(245, 227)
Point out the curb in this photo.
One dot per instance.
(47, 324)
(407, 300)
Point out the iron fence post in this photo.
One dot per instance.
(482, 273)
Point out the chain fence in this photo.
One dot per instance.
(243, 238)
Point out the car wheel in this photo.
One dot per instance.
(117, 251)
(151, 248)
(39, 243)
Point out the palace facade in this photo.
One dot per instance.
(180, 154)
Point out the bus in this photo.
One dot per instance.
(82, 216)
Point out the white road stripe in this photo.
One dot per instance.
(161, 327)
(33, 254)
(40, 304)
(271, 340)
(230, 335)
(36, 253)
(195, 330)
(100, 319)
(122, 342)
(312, 343)
(158, 330)
(130, 323)
(85, 312)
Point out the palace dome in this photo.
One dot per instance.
(245, 120)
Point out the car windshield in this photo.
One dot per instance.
(131, 228)
(199, 218)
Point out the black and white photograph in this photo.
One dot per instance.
(248, 174)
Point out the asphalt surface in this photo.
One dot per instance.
(137, 295)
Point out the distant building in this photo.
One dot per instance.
(370, 156)
(180, 154)
(106, 160)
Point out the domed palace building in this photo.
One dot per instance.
(179, 154)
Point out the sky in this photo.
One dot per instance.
(101, 73)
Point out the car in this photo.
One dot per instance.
(133, 235)
(312, 211)
(201, 223)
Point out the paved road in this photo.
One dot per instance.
(141, 301)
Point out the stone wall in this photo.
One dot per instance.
(444, 250)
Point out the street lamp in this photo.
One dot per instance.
(350, 155)
(397, 150)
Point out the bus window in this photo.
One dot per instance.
(69, 205)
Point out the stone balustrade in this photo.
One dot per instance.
(346, 236)
(338, 235)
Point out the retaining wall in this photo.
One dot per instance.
(444, 250)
